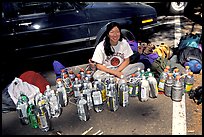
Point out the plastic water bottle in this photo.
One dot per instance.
(63, 72)
(82, 108)
(176, 72)
(82, 73)
(46, 103)
(112, 96)
(144, 90)
(162, 80)
(71, 75)
(133, 86)
(63, 98)
(148, 72)
(188, 82)
(153, 86)
(55, 107)
(177, 90)
(32, 116)
(123, 91)
(97, 99)
(168, 85)
(77, 87)
(86, 91)
(68, 85)
(21, 108)
(44, 122)
(101, 86)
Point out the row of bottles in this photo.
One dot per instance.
(174, 84)
(37, 116)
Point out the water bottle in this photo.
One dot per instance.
(55, 107)
(133, 86)
(148, 72)
(68, 85)
(168, 85)
(32, 116)
(89, 75)
(177, 89)
(188, 82)
(153, 86)
(86, 91)
(44, 122)
(112, 96)
(71, 75)
(46, 103)
(21, 108)
(123, 91)
(82, 108)
(162, 79)
(77, 88)
(176, 72)
(97, 99)
(63, 98)
(82, 73)
(101, 87)
(63, 72)
(144, 90)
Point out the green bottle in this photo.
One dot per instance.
(32, 117)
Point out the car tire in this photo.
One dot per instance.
(176, 8)
(127, 34)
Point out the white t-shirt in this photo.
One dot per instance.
(122, 51)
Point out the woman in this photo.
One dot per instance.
(112, 54)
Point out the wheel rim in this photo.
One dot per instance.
(178, 6)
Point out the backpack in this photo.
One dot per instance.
(189, 40)
(35, 79)
(159, 65)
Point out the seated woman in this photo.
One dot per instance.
(112, 55)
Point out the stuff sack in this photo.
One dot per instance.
(158, 66)
(192, 57)
(35, 79)
(57, 66)
(189, 40)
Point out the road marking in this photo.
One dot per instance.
(179, 108)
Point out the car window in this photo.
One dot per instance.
(15, 9)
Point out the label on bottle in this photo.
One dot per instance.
(97, 98)
(188, 87)
(143, 92)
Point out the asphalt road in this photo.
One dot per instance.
(153, 117)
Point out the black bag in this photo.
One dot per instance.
(7, 103)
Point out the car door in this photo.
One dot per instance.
(43, 29)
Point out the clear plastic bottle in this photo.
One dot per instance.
(123, 91)
(82, 108)
(21, 108)
(86, 91)
(77, 87)
(162, 79)
(44, 122)
(144, 90)
(112, 96)
(82, 73)
(188, 82)
(32, 116)
(133, 86)
(97, 99)
(68, 85)
(153, 86)
(71, 75)
(168, 85)
(177, 89)
(176, 72)
(63, 98)
(55, 107)
(148, 72)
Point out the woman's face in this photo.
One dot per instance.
(114, 35)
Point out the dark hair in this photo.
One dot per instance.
(107, 45)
